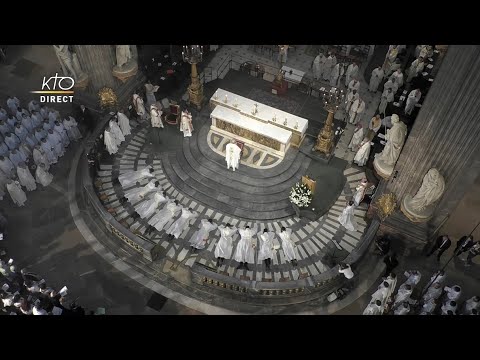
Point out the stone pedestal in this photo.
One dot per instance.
(414, 215)
(383, 170)
(126, 71)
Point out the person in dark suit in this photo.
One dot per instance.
(442, 243)
(464, 244)
(391, 262)
(87, 118)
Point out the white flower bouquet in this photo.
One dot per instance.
(300, 195)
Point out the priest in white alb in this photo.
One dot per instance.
(347, 218)
(186, 125)
(349, 99)
(162, 217)
(356, 111)
(200, 238)
(156, 116)
(354, 84)
(131, 177)
(139, 106)
(387, 97)
(136, 194)
(146, 208)
(224, 247)
(267, 245)
(288, 246)
(361, 157)
(232, 155)
(376, 79)
(360, 192)
(352, 71)
(124, 123)
(185, 219)
(357, 138)
(245, 251)
(398, 76)
(318, 66)
(412, 100)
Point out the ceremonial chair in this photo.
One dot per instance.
(172, 115)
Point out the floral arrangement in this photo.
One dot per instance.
(300, 195)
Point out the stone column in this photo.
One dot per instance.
(98, 61)
(446, 133)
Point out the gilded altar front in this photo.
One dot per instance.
(248, 134)
(262, 135)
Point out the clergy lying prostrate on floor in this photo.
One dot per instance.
(185, 219)
(245, 250)
(200, 238)
(136, 194)
(162, 217)
(131, 177)
(224, 247)
(147, 207)
(288, 246)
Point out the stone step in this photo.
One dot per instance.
(207, 199)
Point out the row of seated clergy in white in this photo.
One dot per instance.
(153, 197)
(383, 299)
(37, 133)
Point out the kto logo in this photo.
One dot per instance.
(60, 85)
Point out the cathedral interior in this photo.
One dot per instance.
(357, 152)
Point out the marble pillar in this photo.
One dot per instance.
(98, 61)
(446, 133)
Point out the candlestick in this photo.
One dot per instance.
(285, 122)
(296, 125)
(215, 95)
(226, 99)
(274, 118)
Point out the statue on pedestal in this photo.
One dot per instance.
(395, 138)
(126, 65)
(419, 208)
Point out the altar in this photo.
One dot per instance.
(259, 134)
(296, 125)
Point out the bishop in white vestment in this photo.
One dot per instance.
(357, 138)
(232, 155)
(360, 192)
(156, 116)
(110, 142)
(318, 66)
(124, 123)
(139, 106)
(361, 157)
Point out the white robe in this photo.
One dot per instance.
(318, 66)
(156, 118)
(26, 178)
(353, 85)
(356, 139)
(350, 98)
(428, 307)
(267, 245)
(245, 251)
(359, 194)
(42, 176)
(139, 106)
(446, 307)
(232, 156)
(432, 293)
(337, 73)
(387, 97)
(132, 177)
(146, 208)
(398, 78)
(199, 239)
(288, 246)
(391, 85)
(13, 104)
(161, 218)
(115, 130)
(49, 153)
(71, 126)
(55, 139)
(352, 71)
(110, 142)
(18, 195)
(412, 100)
(373, 309)
(381, 294)
(124, 123)
(375, 79)
(412, 278)
(138, 193)
(347, 219)
(401, 310)
(330, 62)
(361, 157)
(224, 246)
(415, 68)
(452, 295)
(186, 124)
(179, 226)
(356, 111)
(402, 295)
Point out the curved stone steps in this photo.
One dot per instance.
(221, 202)
(234, 189)
(210, 168)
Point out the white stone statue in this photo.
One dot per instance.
(123, 54)
(395, 138)
(420, 207)
(65, 58)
